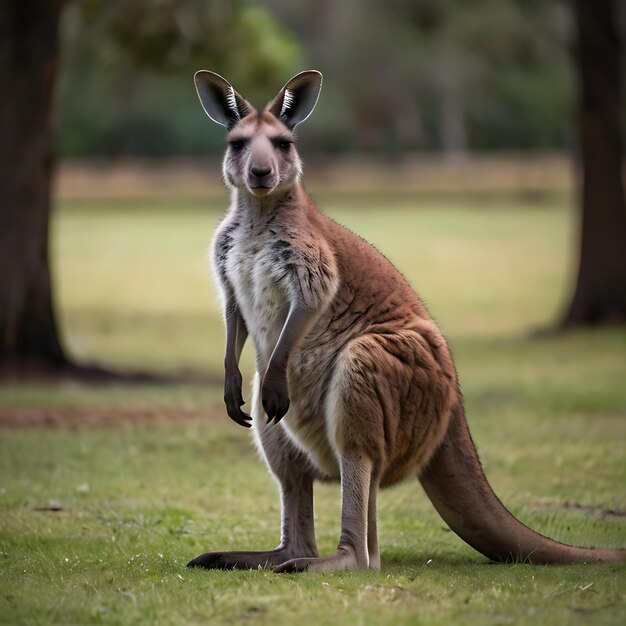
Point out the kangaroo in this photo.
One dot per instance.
(354, 381)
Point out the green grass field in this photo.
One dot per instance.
(135, 500)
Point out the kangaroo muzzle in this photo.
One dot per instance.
(261, 179)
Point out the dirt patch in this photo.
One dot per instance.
(80, 418)
(596, 511)
(590, 510)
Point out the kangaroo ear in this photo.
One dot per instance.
(219, 100)
(297, 99)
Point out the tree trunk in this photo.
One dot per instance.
(600, 293)
(29, 54)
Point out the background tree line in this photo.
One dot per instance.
(436, 75)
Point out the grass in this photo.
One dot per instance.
(143, 270)
(136, 502)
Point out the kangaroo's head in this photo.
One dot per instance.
(261, 157)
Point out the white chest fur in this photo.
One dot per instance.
(247, 261)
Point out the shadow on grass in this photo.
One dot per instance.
(24, 370)
(403, 559)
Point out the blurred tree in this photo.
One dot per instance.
(170, 35)
(600, 292)
(29, 52)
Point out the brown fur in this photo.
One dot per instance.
(346, 353)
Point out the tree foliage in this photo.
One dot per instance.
(128, 67)
(401, 75)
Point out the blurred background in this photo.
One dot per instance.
(460, 138)
(410, 75)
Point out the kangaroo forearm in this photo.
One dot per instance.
(275, 392)
(297, 323)
(242, 335)
(236, 333)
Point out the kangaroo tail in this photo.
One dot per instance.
(456, 484)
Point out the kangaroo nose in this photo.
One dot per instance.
(259, 172)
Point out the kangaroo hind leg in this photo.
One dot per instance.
(373, 548)
(297, 534)
(295, 478)
(352, 551)
(354, 419)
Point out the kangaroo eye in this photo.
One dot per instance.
(284, 144)
(237, 145)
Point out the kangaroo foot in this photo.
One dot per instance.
(240, 560)
(341, 561)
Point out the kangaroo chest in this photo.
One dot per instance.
(257, 275)
(269, 268)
